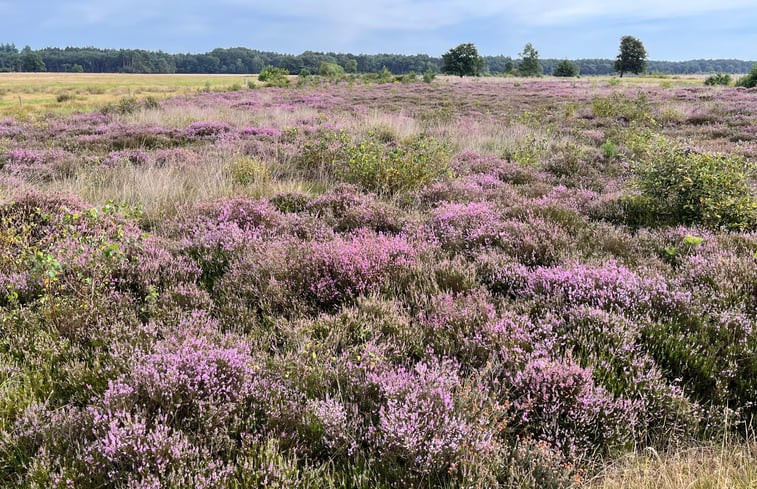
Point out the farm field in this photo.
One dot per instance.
(490, 282)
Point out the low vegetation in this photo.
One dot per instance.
(475, 282)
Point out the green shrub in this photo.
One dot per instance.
(387, 169)
(618, 106)
(151, 102)
(566, 69)
(749, 81)
(428, 76)
(718, 79)
(247, 171)
(610, 151)
(681, 186)
(274, 77)
(331, 70)
(713, 357)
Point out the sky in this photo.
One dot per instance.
(670, 29)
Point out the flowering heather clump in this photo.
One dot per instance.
(610, 287)
(419, 423)
(36, 165)
(558, 403)
(134, 157)
(261, 131)
(348, 209)
(462, 227)
(207, 128)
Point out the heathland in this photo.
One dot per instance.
(492, 282)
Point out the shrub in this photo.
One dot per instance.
(207, 129)
(750, 80)
(565, 68)
(718, 79)
(713, 357)
(388, 169)
(682, 186)
(559, 403)
(428, 75)
(618, 106)
(247, 171)
(274, 77)
(331, 70)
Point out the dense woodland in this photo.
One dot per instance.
(244, 60)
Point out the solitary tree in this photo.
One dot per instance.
(529, 65)
(462, 60)
(632, 56)
(565, 68)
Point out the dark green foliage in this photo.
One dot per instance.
(31, 61)
(462, 60)
(632, 57)
(350, 66)
(715, 360)
(566, 69)
(749, 81)
(530, 65)
(718, 79)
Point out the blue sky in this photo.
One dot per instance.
(670, 29)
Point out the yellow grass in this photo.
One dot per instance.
(729, 466)
(25, 94)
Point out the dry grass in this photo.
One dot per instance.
(29, 94)
(728, 466)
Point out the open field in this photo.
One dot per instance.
(25, 94)
(473, 283)
(29, 94)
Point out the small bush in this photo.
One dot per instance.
(428, 76)
(331, 70)
(247, 171)
(718, 79)
(749, 81)
(274, 77)
(566, 69)
(686, 187)
(387, 169)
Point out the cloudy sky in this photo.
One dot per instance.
(670, 29)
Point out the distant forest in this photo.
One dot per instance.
(244, 60)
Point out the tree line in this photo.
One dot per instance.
(244, 60)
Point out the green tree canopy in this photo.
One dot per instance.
(462, 60)
(565, 68)
(632, 56)
(529, 65)
(31, 61)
